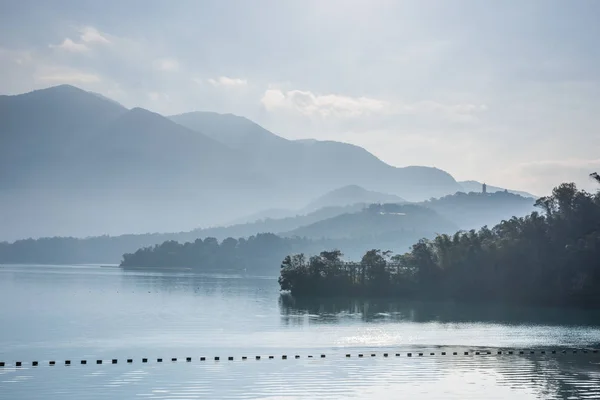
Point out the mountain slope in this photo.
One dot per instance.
(474, 210)
(351, 194)
(42, 128)
(75, 163)
(316, 166)
(378, 219)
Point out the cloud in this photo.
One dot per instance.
(90, 34)
(69, 45)
(332, 105)
(228, 82)
(166, 64)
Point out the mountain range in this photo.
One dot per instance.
(74, 163)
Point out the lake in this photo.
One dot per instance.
(58, 313)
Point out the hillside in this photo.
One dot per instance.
(474, 210)
(85, 165)
(378, 219)
(318, 166)
(351, 228)
(352, 194)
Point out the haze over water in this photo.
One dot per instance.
(89, 312)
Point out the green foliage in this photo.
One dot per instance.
(551, 259)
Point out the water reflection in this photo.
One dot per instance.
(334, 310)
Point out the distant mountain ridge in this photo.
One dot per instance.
(74, 163)
(319, 165)
(347, 196)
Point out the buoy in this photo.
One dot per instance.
(98, 361)
(114, 361)
(67, 362)
(83, 362)
(144, 360)
(34, 363)
(52, 362)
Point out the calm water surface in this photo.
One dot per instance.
(89, 312)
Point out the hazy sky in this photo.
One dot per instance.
(506, 92)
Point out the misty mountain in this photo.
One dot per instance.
(41, 129)
(378, 219)
(352, 228)
(73, 163)
(76, 163)
(474, 210)
(311, 167)
(352, 194)
(474, 186)
(276, 225)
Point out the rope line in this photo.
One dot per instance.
(347, 355)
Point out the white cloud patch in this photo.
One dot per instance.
(89, 34)
(332, 105)
(309, 104)
(166, 64)
(69, 45)
(228, 82)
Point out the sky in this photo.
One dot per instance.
(505, 92)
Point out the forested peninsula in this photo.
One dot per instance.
(550, 257)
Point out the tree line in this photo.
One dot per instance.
(257, 254)
(550, 257)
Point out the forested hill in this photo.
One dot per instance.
(548, 258)
(474, 210)
(390, 226)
